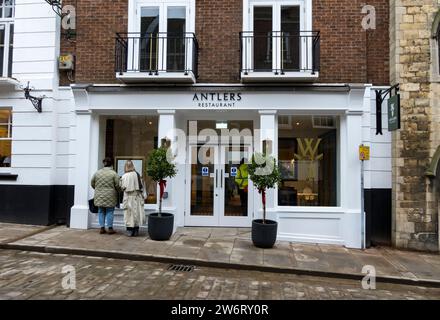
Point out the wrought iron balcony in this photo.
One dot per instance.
(156, 57)
(280, 56)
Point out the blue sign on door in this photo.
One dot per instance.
(205, 171)
(233, 172)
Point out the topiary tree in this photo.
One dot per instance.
(265, 174)
(160, 167)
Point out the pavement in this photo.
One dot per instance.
(41, 276)
(231, 248)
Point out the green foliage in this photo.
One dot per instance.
(160, 166)
(264, 172)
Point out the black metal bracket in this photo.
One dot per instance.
(56, 7)
(36, 101)
(380, 97)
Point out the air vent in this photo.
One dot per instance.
(180, 268)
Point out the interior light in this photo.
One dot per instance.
(221, 125)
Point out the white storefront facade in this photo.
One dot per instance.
(313, 129)
(346, 108)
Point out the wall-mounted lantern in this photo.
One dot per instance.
(36, 101)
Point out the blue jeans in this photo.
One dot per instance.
(105, 215)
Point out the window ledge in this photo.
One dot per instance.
(8, 177)
(161, 77)
(8, 83)
(257, 76)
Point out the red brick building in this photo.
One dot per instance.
(296, 74)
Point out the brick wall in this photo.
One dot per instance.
(97, 22)
(348, 53)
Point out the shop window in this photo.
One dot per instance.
(6, 37)
(133, 137)
(307, 154)
(5, 137)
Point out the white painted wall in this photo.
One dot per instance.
(378, 170)
(41, 142)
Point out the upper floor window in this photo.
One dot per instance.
(278, 37)
(5, 136)
(161, 36)
(7, 9)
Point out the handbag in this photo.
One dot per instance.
(92, 207)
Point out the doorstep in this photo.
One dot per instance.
(232, 248)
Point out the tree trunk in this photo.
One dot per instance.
(160, 207)
(263, 194)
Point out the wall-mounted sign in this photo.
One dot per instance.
(394, 113)
(364, 153)
(217, 99)
(233, 172)
(205, 172)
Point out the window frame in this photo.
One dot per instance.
(9, 125)
(8, 45)
(134, 24)
(277, 5)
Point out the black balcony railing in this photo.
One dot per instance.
(280, 52)
(156, 52)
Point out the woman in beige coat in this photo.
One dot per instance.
(133, 203)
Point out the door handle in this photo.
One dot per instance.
(221, 178)
(216, 178)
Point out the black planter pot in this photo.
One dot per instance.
(160, 228)
(264, 235)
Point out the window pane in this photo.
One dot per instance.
(263, 38)
(307, 152)
(5, 153)
(133, 136)
(176, 41)
(11, 49)
(149, 42)
(4, 131)
(290, 27)
(5, 115)
(2, 48)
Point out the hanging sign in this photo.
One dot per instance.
(364, 153)
(394, 113)
(205, 172)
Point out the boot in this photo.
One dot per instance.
(111, 231)
(102, 231)
(130, 231)
(136, 231)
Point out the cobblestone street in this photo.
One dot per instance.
(28, 275)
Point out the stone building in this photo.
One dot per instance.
(414, 61)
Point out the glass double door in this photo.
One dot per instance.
(219, 192)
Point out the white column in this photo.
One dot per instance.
(268, 131)
(351, 177)
(167, 125)
(79, 218)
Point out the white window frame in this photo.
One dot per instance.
(9, 136)
(6, 22)
(305, 25)
(134, 20)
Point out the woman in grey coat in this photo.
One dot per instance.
(106, 183)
